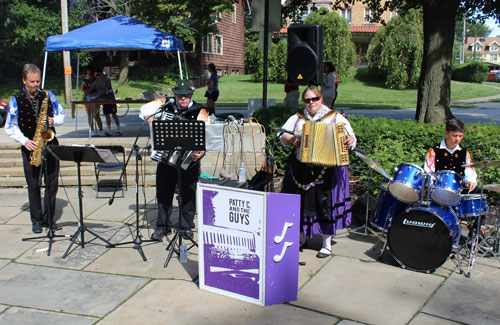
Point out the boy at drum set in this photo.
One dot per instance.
(420, 210)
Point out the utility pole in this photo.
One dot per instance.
(462, 52)
(66, 58)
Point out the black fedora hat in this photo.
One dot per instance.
(183, 87)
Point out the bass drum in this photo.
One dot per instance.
(421, 238)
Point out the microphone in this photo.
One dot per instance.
(148, 147)
(283, 131)
(164, 107)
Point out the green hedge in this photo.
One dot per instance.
(474, 71)
(392, 142)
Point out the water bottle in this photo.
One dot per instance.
(183, 253)
(241, 173)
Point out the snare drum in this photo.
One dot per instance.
(446, 188)
(473, 205)
(406, 184)
(421, 238)
(387, 208)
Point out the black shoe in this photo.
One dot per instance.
(159, 233)
(187, 234)
(37, 228)
(55, 226)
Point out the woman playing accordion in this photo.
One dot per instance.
(324, 191)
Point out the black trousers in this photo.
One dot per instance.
(166, 180)
(32, 175)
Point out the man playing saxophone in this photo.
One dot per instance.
(29, 111)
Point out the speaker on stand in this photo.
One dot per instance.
(305, 55)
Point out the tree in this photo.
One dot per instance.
(337, 45)
(396, 52)
(439, 16)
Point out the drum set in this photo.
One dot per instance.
(420, 216)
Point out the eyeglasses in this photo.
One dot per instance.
(312, 99)
(184, 95)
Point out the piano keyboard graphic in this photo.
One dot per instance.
(242, 242)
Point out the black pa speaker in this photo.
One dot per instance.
(305, 54)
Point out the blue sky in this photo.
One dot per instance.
(493, 25)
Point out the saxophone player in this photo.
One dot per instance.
(183, 107)
(22, 126)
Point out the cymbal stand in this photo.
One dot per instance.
(489, 245)
(366, 231)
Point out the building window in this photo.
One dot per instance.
(234, 13)
(494, 47)
(494, 57)
(478, 48)
(207, 45)
(346, 14)
(218, 44)
(394, 13)
(367, 16)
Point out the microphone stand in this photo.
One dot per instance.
(137, 240)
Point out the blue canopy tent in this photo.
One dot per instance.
(117, 33)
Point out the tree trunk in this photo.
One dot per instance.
(124, 63)
(433, 102)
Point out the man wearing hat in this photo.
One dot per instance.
(182, 106)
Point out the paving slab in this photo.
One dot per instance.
(424, 319)
(4, 262)
(78, 256)
(2, 308)
(182, 302)
(26, 316)
(473, 300)
(12, 246)
(127, 260)
(56, 289)
(9, 212)
(368, 292)
(60, 215)
(348, 322)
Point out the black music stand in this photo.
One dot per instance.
(79, 154)
(180, 135)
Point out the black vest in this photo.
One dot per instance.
(190, 113)
(448, 161)
(28, 112)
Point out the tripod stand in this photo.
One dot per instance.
(48, 208)
(179, 136)
(79, 154)
(137, 240)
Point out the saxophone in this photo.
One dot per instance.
(42, 136)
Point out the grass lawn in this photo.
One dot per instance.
(358, 91)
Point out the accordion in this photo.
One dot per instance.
(323, 144)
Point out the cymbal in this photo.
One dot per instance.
(492, 187)
(372, 164)
(484, 163)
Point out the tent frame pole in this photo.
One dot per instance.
(180, 63)
(44, 69)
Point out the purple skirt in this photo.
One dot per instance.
(341, 212)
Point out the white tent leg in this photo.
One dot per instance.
(180, 64)
(185, 64)
(44, 68)
(77, 88)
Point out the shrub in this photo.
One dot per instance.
(396, 54)
(474, 71)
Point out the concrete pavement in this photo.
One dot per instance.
(99, 285)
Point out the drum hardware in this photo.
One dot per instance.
(492, 187)
(484, 163)
(373, 164)
(365, 226)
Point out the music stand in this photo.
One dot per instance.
(180, 135)
(79, 154)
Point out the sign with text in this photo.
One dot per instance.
(243, 254)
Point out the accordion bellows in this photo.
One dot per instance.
(323, 144)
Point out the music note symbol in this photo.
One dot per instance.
(279, 257)
(279, 239)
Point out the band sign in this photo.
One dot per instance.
(67, 69)
(300, 76)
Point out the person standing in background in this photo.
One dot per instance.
(328, 88)
(213, 89)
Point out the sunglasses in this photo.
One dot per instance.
(312, 99)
